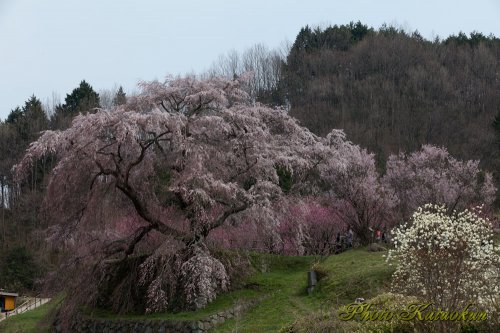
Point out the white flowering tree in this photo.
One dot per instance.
(183, 158)
(447, 259)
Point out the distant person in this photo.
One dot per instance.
(350, 236)
(338, 243)
(372, 233)
(388, 237)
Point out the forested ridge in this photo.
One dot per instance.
(393, 91)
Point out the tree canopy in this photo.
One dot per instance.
(81, 100)
(184, 157)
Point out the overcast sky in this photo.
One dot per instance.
(50, 46)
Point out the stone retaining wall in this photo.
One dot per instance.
(92, 325)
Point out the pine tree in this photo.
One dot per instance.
(120, 97)
(35, 117)
(81, 100)
(14, 116)
(29, 120)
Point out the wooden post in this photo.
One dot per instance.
(312, 280)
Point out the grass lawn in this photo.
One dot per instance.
(34, 321)
(352, 274)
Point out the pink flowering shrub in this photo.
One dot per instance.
(306, 226)
(246, 236)
(291, 229)
(323, 225)
(310, 227)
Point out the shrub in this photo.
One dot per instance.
(447, 259)
(321, 271)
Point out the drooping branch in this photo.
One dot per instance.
(122, 182)
(142, 154)
(143, 211)
(222, 218)
(138, 236)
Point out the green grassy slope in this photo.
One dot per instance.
(352, 274)
(34, 321)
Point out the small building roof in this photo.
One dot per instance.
(3, 293)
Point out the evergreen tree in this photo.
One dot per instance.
(14, 116)
(303, 40)
(120, 97)
(35, 117)
(81, 100)
(29, 120)
(358, 31)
